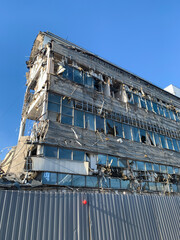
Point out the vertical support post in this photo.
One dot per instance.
(22, 128)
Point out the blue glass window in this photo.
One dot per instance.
(68, 73)
(127, 131)
(78, 118)
(115, 183)
(171, 115)
(149, 167)
(151, 138)
(149, 105)
(54, 98)
(156, 168)
(140, 166)
(135, 133)
(110, 127)
(53, 107)
(89, 121)
(78, 181)
(102, 159)
(170, 170)
(50, 151)
(113, 159)
(136, 99)
(170, 145)
(49, 178)
(152, 186)
(91, 181)
(78, 76)
(175, 145)
(88, 80)
(166, 112)
(125, 184)
(155, 107)
(130, 97)
(64, 179)
(161, 112)
(143, 136)
(159, 186)
(156, 136)
(163, 141)
(78, 155)
(163, 169)
(119, 130)
(122, 163)
(143, 103)
(65, 153)
(99, 124)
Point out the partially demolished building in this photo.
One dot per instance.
(96, 125)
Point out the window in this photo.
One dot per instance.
(78, 181)
(136, 100)
(159, 186)
(151, 138)
(170, 144)
(64, 179)
(88, 80)
(155, 107)
(50, 151)
(152, 186)
(143, 136)
(149, 167)
(100, 124)
(65, 153)
(89, 121)
(170, 170)
(49, 178)
(149, 106)
(135, 133)
(110, 127)
(125, 184)
(163, 141)
(156, 168)
(163, 169)
(78, 118)
(175, 144)
(112, 160)
(78, 76)
(143, 103)
(102, 159)
(68, 73)
(122, 163)
(67, 111)
(115, 183)
(171, 115)
(54, 103)
(130, 97)
(140, 166)
(166, 112)
(78, 155)
(127, 131)
(91, 181)
(119, 130)
(161, 112)
(156, 136)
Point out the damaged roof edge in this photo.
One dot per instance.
(68, 43)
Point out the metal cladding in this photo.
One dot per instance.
(63, 215)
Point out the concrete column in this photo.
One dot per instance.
(22, 128)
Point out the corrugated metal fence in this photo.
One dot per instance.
(62, 215)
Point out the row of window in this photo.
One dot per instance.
(56, 103)
(68, 154)
(71, 180)
(152, 106)
(72, 116)
(84, 78)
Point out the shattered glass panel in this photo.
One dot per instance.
(110, 127)
(119, 130)
(115, 183)
(78, 155)
(50, 151)
(130, 97)
(113, 159)
(78, 118)
(151, 138)
(78, 76)
(65, 153)
(89, 121)
(68, 73)
(91, 181)
(140, 166)
(149, 106)
(78, 181)
(125, 184)
(64, 179)
(53, 107)
(135, 133)
(104, 182)
(100, 124)
(143, 136)
(127, 131)
(102, 159)
(163, 141)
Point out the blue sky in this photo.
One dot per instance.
(142, 36)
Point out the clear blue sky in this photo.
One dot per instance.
(142, 36)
